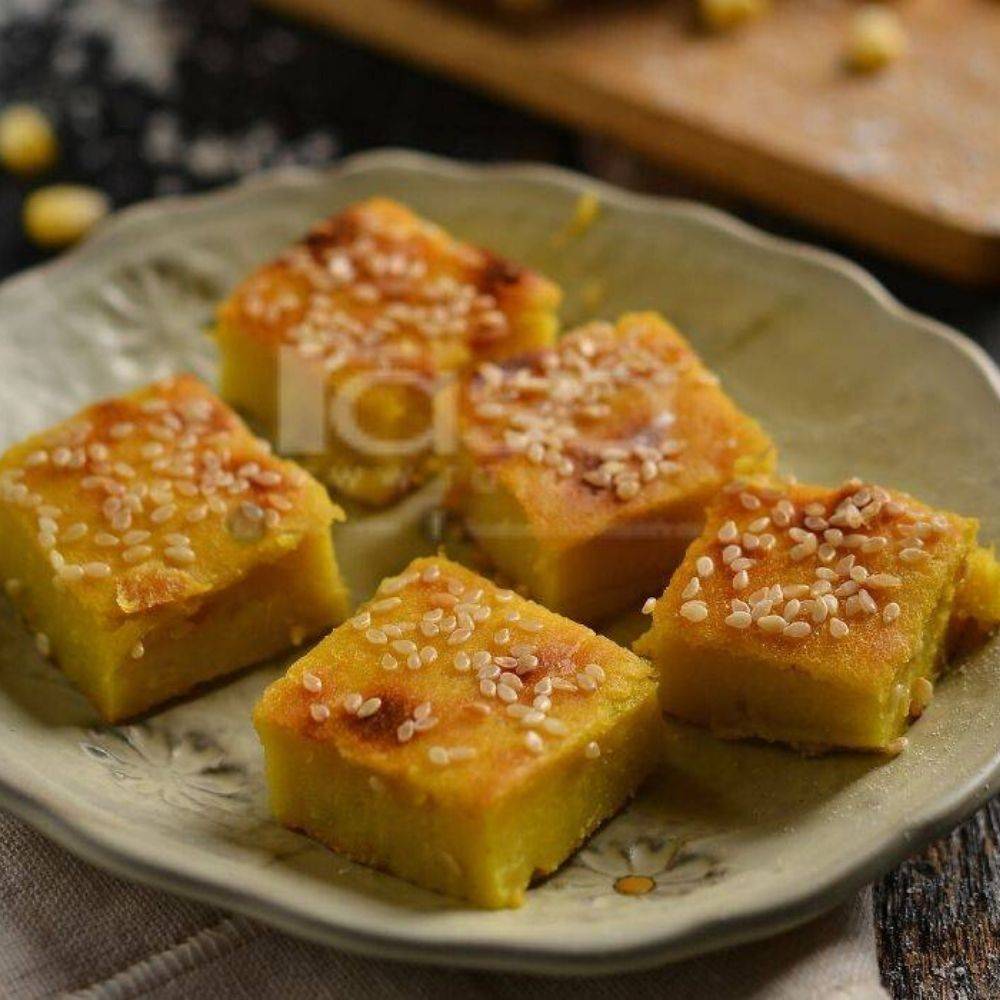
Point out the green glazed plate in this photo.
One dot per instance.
(737, 841)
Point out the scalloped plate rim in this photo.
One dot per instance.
(25, 795)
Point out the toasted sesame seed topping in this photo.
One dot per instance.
(319, 711)
(839, 539)
(311, 682)
(592, 751)
(648, 605)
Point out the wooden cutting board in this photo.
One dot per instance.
(906, 161)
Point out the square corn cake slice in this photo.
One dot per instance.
(457, 735)
(338, 348)
(583, 470)
(153, 543)
(817, 617)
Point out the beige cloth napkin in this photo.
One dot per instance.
(69, 929)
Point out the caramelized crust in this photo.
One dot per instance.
(156, 498)
(612, 425)
(378, 286)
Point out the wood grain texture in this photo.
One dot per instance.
(937, 916)
(905, 161)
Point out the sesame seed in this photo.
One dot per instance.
(730, 553)
(437, 755)
(385, 605)
(797, 630)
(404, 733)
(741, 581)
(369, 707)
(592, 751)
(182, 555)
(376, 636)
(506, 693)
(728, 532)
(311, 682)
(883, 581)
(136, 554)
(867, 602)
(704, 566)
(648, 605)
(319, 711)
(534, 742)
(353, 702)
(692, 588)
(739, 619)
(694, 611)
(771, 623)
(838, 628)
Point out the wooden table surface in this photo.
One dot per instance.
(186, 94)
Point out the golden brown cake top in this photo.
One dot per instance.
(379, 286)
(616, 420)
(160, 496)
(808, 576)
(443, 671)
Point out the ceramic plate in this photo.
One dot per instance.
(734, 841)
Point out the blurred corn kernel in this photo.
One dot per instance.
(28, 142)
(876, 39)
(721, 15)
(61, 214)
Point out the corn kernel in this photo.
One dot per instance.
(27, 140)
(61, 214)
(876, 39)
(721, 15)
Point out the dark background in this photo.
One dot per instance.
(158, 97)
